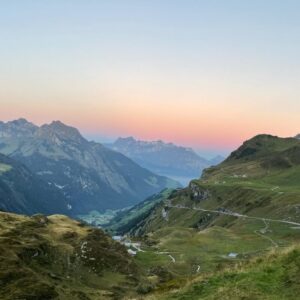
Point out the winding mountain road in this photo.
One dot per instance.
(260, 232)
(234, 214)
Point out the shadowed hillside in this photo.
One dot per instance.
(22, 191)
(58, 258)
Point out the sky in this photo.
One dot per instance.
(206, 74)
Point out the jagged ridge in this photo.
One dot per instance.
(86, 172)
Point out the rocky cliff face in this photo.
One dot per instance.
(198, 193)
(90, 176)
(17, 128)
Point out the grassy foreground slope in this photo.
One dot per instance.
(275, 276)
(58, 258)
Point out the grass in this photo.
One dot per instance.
(275, 275)
(194, 238)
(130, 219)
(208, 248)
(58, 258)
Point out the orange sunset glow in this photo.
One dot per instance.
(151, 77)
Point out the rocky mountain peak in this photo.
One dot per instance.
(86, 172)
(17, 128)
(57, 130)
(21, 121)
(163, 157)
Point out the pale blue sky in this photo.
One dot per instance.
(84, 61)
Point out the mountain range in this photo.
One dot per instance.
(88, 175)
(231, 234)
(167, 159)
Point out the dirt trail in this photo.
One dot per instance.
(267, 238)
(262, 233)
(168, 254)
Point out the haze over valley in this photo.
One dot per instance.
(179, 163)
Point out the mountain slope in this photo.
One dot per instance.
(243, 208)
(91, 176)
(255, 179)
(58, 258)
(132, 218)
(162, 158)
(22, 191)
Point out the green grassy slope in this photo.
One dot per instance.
(242, 206)
(258, 184)
(132, 219)
(275, 276)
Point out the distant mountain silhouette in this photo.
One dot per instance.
(164, 158)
